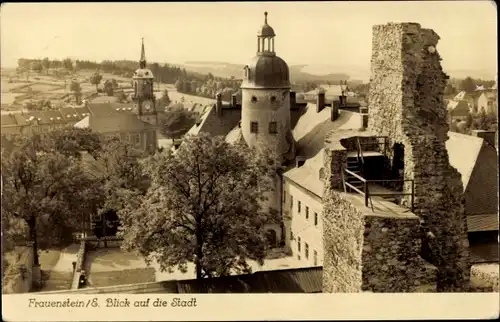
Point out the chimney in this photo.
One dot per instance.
(234, 100)
(363, 111)
(218, 104)
(335, 110)
(299, 161)
(293, 100)
(488, 136)
(320, 100)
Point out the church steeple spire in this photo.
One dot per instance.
(142, 61)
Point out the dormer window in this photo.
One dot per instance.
(247, 71)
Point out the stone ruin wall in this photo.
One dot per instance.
(370, 253)
(406, 104)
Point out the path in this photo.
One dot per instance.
(57, 268)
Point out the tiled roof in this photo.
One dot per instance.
(216, 125)
(486, 222)
(458, 107)
(115, 123)
(109, 109)
(481, 194)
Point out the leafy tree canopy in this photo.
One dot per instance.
(203, 207)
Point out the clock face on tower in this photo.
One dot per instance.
(147, 107)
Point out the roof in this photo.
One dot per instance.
(235, 135)
(310, 133)
(109, 109)
(481, 193)
(8, 120)
(266, 30)
(266, 70)
(115, 123)
(485, 222)
(301, 280)
(458, 107)
(463, 162)
(216, 125)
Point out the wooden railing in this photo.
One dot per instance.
(367, 194)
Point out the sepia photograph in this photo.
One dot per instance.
(154, 153)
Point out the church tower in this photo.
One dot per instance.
(144, 99)
(265, 115)
(265, 118)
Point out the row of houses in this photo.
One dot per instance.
(463, 104)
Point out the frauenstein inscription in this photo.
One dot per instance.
(115, 302)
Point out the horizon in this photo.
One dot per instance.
(307, 33)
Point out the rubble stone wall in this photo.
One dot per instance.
(406, 104)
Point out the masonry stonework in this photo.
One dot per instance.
(406, 105)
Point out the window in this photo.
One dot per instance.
(298, 257)
(315, 258)
(307, 250)
(315, 219)
(307, 212)
(137, 139)
(291, 234)
(254, 127)
(273, 99)
(298, 244)
(254, 99)
(291, 202)
(298, 207)
(273, 127)
(284, 197)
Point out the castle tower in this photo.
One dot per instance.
(145, 101)
(265, 118)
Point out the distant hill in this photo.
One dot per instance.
(297, 73)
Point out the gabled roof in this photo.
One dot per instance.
(109, 109)
(216, 125)
(463, 162)
(481, 193)
(115, 123)
(8, 120)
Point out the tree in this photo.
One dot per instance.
(108, 88)
(37, 67)
(176, 121)
(77, 91)
(203, 207)
(46, 64)
(95, 79)
(41, 187)
(114, 83)
(68, 64)
(468, 85)
(165, 99)
(450, 89)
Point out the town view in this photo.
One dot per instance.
(145, 164)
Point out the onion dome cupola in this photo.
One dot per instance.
(266, 70)
(142, 72)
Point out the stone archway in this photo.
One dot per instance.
(272, 238)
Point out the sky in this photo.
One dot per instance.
(326, 35)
